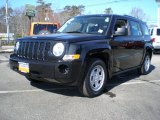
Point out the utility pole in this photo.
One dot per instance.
(158, 22)
(7, 23)
(158, 14)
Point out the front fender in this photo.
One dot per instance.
(100, 49)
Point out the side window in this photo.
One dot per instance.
(145, 29)
(151, 31)
(158, 32)
(135, 29)
(120, 25)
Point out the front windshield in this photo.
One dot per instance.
(86, 25)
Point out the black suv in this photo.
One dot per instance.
(86, 51)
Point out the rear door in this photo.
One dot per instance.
(138, 42)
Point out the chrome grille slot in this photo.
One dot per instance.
(47, 48)
(35, 50)
(41, 48)
(26, 49)
(30, 50)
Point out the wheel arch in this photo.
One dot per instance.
(147, 49)
(104, 55)
(150, 51)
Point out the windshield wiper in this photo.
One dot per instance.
(74, 32)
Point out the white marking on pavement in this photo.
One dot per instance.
(137, 82)
(33, 90)
(52, 89)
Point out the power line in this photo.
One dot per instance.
(104, 3)
(109, 2)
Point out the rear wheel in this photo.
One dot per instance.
(146, 65)
(95, 79)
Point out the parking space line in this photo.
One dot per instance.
(137, 82)
(33, 90)
(52, 89)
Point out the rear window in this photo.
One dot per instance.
(158, 31)
(135, 29)
(40, 28)
(145, 29)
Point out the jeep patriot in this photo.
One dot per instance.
(85, 52)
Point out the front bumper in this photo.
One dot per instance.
(55, 71)
(156, 46)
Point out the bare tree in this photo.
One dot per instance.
(69, 12)
(2, 18)
(74, 10)
(138, 13)
(44, 12)
(108, 11)
(20, 22)
(17, 21)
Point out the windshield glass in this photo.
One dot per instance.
(86, 25)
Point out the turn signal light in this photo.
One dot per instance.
(71, 57)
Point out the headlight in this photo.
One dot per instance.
(58, 49)
(17, 46)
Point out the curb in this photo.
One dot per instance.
(6, 51)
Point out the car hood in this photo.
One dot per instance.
(66, 37)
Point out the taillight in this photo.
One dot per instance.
(153, 39)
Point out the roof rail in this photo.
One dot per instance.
(130, 16)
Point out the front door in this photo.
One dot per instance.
(122, 47)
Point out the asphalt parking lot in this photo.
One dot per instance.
(127, 97)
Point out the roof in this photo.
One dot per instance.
(112, 15)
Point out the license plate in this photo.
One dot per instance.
(23, 67)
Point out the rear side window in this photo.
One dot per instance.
(158, 31)
(151, 31)
(135, 28)
(145, 29)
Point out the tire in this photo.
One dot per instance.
(145, 68)
(95, 79)
(32, 79)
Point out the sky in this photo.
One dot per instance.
(149, 7)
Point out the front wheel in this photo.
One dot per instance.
(146, 65)
(95, 79)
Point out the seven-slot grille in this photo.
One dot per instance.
(36, 50)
